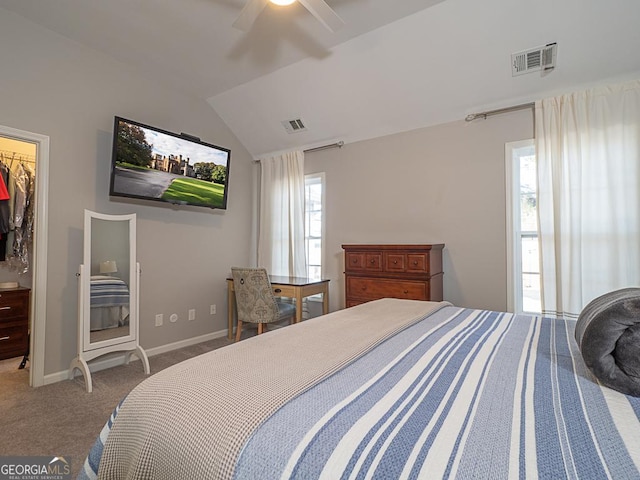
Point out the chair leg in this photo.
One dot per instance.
(238, 330)
(260, 328)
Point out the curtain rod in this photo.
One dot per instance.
(484, 115)
(339, 144)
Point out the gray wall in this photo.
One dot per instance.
(443, 184)
(52, 86)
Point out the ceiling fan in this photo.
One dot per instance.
(318, 9)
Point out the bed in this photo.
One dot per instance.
(387, 389)
(109, 301)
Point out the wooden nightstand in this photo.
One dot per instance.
(14, 322)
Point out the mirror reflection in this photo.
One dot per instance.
(109, 280)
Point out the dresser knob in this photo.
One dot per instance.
(415, 262)
(395, 262)
(5, 308)
(4, 338)
(373, 261)
(406, 292)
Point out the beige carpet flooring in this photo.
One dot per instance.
(62, 419)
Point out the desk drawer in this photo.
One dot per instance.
(284, 291)
(374, 288)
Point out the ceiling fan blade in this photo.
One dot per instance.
(249, 13)
(324, 14)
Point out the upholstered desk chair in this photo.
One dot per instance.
(255, 301)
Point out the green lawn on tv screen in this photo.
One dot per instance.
(192, 190)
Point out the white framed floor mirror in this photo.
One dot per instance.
(108, 293)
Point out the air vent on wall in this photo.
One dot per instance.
(294, 126)
(534, 60)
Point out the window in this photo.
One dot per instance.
(523, 258)
(313, 223)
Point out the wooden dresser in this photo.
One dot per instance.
(397, 271)
(14, 322)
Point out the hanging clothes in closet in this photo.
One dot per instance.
(16, 211)
(5, 210)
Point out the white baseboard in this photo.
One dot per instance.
(185, 343)
(118, 359)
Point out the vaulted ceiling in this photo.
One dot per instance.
(395, 66)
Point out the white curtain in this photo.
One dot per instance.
(281, 245)
(588, 150)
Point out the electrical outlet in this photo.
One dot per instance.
(213, 309)
(173, 318)
(192, 314)
(158, 320)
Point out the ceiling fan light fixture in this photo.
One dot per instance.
(318, 8)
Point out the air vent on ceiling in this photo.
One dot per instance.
(294, 126)
(534, 60)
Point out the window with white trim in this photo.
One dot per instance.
(314, 223)
(523, 258)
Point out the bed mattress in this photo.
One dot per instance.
(388, 389)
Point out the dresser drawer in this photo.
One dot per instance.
(406, 262)
(363, 261)
(418, 262)
(14, 341)
(395, 262)
(13, 304)
(374, 288)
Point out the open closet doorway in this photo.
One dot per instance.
(24, 156)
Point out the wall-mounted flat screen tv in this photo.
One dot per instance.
(153, 164)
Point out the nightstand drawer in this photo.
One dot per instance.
(14, 304)
(14, 342)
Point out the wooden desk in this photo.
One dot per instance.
(293, 287)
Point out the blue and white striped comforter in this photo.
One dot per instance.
(108, 291)
(481, 395)
(466, 394)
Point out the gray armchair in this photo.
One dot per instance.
(255, 301)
